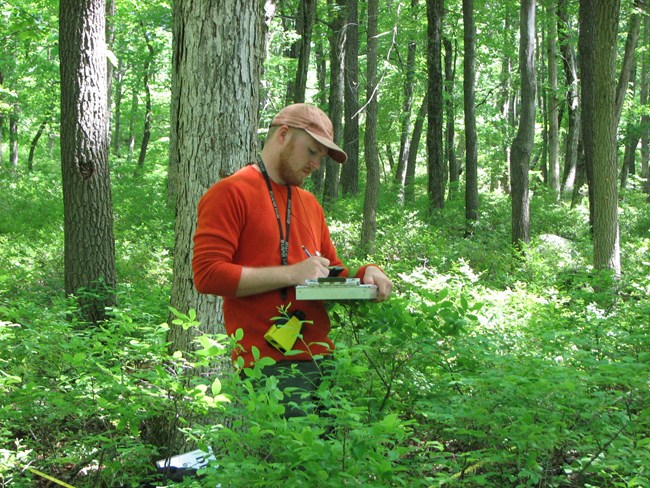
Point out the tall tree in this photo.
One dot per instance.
(605, 229)
(645, 118)
(418, 127)
(405, 116)
(627, 64)
(553, 102)
(336, 39)
(89, 249)
(369, 226)
(350, 171)
(450, 114)
(218, 50)
(522, 146)
(437, 176)
(469, 107)
(571, 97)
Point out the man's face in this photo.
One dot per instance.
(300, 156)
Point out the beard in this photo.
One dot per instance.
(287, 172)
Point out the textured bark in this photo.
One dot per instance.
(522, 146)
(606, 231)
(469, 104)
(437, 177)
(336, 39)
(89, 254)
(218, 49)
(350, 171)
(369, 226)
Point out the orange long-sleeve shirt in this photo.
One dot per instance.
(237, 227)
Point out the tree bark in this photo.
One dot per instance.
(89, 247)
(418, 127)
(32, 146)
(552, 104)
(450, 113)
(469, 107)
(606, 231)
(437, 177)
(218, 49)
(627, 65)
(350, 171)
(336, 39)
(146, 130)
(405, 118)
(523, 144)
(307, 14)
(369, 226)
(645, 118)
(572, 99)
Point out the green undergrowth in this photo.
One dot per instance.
(486, 367)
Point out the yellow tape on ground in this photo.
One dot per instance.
(48, 477)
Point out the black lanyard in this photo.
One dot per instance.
(284, 238)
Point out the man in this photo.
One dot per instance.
(259, 235)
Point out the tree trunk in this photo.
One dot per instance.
(552, 104)
(350, 172)
(332, 168)
(523, 144)
(32, 146)
(118, 109)
(572, 99)
(606, 231)
(89, 249)
(304, 27)
(437, 177)
(469, 107)
(628, 59)
(418, 127)
(13, 138)
(645, 118)
(146, 131)
(450, 131)
(369, 226)
(632, 137)
(587, 58)
(405, 118)
(218, 48)
(499, 176)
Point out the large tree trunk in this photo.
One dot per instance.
(572, 99)
(336, 39)
(89, 254)
(350, 172)
(552, 104)
(369, 226)
(469, 80)
(218, 49)
(606, 232)
(522, 146)
(437, 177)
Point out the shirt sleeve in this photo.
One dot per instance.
(219, 220)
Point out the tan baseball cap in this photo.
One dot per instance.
(315, 122)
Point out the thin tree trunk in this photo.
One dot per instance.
(587, 58)
(418, 127)
(32, 146)
(572, 99)
(307, 13)
(469, 81)
(645, 118)
(337, 39)
(523, 144)
(450, 131)
(146, 131)
(628, 59)
(552, 105)
(407, 107)
(13, 138)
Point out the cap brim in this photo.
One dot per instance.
(335, 152)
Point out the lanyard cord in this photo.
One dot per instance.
(284, 238)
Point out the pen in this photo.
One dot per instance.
(306, 251)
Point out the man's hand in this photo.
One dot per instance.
(375, 276)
